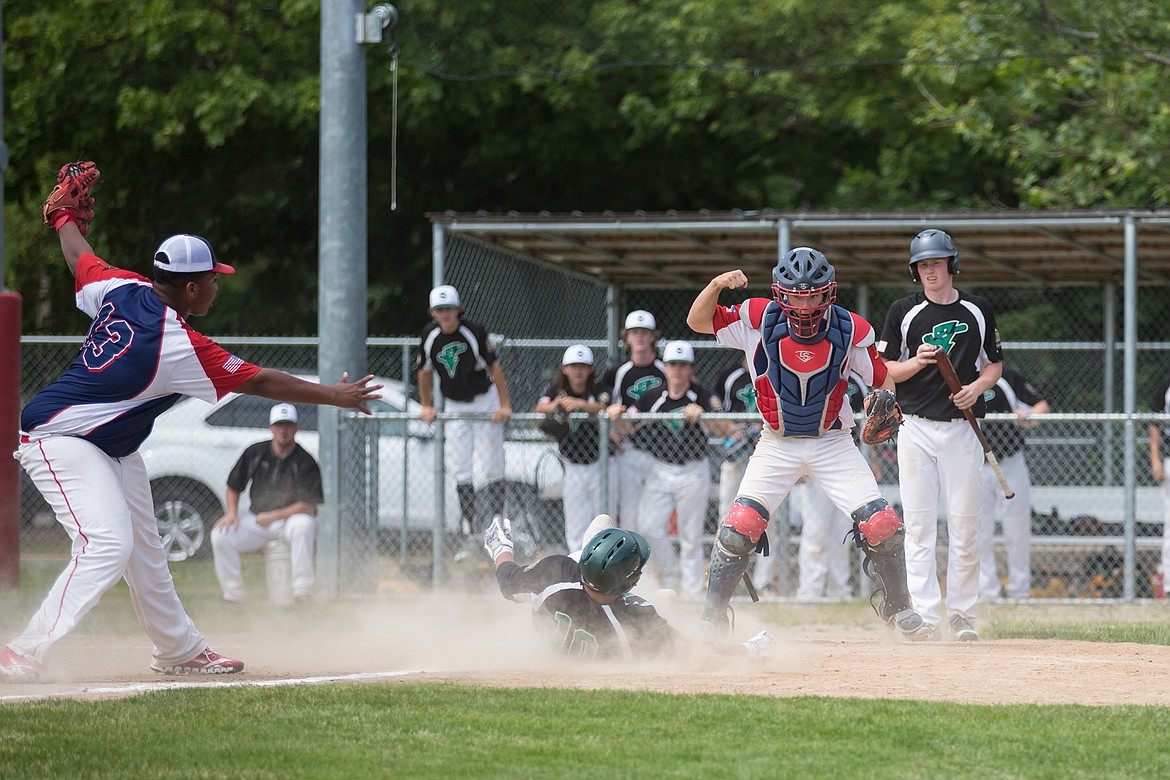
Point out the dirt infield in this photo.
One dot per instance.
(840, 652)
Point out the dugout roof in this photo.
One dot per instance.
(676, 249)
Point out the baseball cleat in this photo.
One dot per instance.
(911, 625)
(962, 629)
(207, 662)
(760, 645)
(16, 668)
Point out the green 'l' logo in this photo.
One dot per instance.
(449, 356)
(944, 334)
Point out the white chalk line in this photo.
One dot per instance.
(171, 685)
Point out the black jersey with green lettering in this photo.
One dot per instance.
(965, 328)
(461, 359)
(577, 625)
(626, 383)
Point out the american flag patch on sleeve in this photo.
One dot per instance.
(232, 364)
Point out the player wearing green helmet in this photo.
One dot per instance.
(586, 607)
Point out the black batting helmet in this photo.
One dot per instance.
(932, 243)
(803, 273)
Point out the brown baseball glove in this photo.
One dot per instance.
(883, 417)
(70, 200)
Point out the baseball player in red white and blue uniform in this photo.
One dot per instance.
(800, 350)
(80, 438)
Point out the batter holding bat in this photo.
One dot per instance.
(939, 452)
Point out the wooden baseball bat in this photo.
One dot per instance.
(947, 369)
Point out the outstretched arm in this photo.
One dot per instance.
(703, 309)
(280, 386)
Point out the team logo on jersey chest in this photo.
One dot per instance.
(944, 334)
(643, 386)
(748, 396)
(449, 356)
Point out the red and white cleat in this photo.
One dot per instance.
(207, 662)
(16, 668)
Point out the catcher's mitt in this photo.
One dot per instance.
(884, 417)
(70, 200)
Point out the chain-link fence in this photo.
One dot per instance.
(400, 514)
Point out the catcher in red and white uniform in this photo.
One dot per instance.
(80, 436)
(800, 349)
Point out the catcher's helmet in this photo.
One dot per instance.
(933, 243)
(612, 561)
(801, 274)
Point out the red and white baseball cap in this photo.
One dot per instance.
(187, 254)
(578, 353)
(640, 318)
(678, 352)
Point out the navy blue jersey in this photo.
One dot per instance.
(138, 359)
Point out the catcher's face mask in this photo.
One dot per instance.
(805, 308)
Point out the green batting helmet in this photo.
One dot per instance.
(612, 562)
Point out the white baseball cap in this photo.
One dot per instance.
(283, 413)
(640, 318)
(678, 352)
(187, 254)
(443, 296)
(578, 353)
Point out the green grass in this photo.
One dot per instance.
(445, 731)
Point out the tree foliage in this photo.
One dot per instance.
(203, 117)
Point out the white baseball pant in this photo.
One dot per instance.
(1165, 570)
(105, 505)
(940, 458)
(298, 532)
(682, 488)
(580, 495)
(730, 475)
(479, 439)
(628, 472)
(1017, 528)
(832, 461)
(824, 554)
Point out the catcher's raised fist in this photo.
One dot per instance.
(70, 200)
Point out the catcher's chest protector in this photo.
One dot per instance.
(802, 385)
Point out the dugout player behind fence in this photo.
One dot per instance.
(1159, 436)
(679, 480)
(938, 451)
(622, 386)
(282, 504)
(472, 381)
(80, 436)
(574, 389)
(736, 394)
(1012, 394)
(800, 347)
(585, 607)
